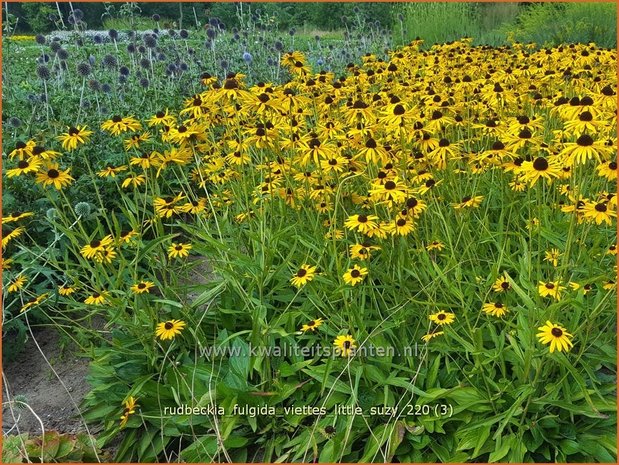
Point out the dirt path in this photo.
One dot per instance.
(31, 377)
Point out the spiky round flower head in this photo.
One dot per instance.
(51, 214)
(183, 67)
(213, 22)
(145, 63)
(292, 31)
(150, 40)
(122, 79)
(184, 34)
(131, 48)
(224, 64)
(84, 69)
(82, 209)
(113, 34)
(40, 39)
(171, 32)
(44, 73)
(144, 83)
(110, 61)
(55, 46)
(247, 58)
(78, 14)
(97, 39)
(94, 85)
(106, 88)
(155, 17)
(62, 54)
(124, 71)
(15, 122)
(211, 33)
(141, 49)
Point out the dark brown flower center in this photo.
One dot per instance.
(116, 119)
(141, 286)
(371, 143)
(601, 207)
(540, 164)
(302, 272)
(355, 273)
(390, 185)
(169, 325)
(53, 173)
(585, 140)
(505, 285)
(556, 332)
(441, 316)
(401, 222)
(23, 164)
(550, 286)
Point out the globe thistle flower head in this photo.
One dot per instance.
(40, 39)
(113, 34)
(184, 34)
(84, 69)
(155, 17)
(82, 209)
(247, 58)
(44, 73)
(62, 54)
(97, 39)
(150, 40)
(55, 46)
(110, 61)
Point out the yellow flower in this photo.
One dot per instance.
(438, 245)
(54, 176)
(501, 284)
(363, 223)
(142, 287)
(495, 309)
(75, 136)
(303, 276)
(426, 337)
(110, 171)
(96, 248)
(16, 216)
(355, 275)
(96, 298)
(179, 250)
(552, 256)
(169, 329)
(66, 290)
(134, 180)
(118, 124)
(17, 284)
(130, 405)
(33, 302)
(550, 289)
(442, 317)
(555, 335)
(345, 345)
(312, 325)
